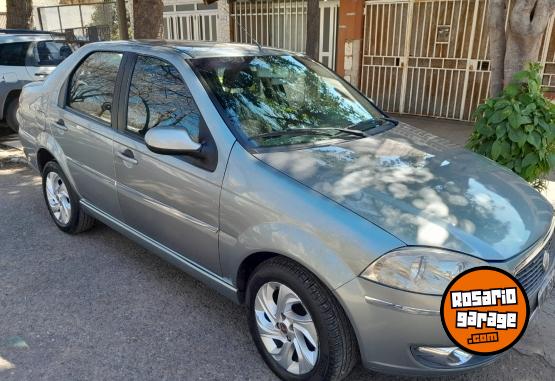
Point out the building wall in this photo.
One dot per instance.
(349, 39)
(36, 3)
(2, 14)
(42, 3)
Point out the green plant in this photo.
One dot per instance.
(517, 129)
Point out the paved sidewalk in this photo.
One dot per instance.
(452, 130)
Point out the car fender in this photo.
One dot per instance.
(289, 241)
(6, 88)
(265, 211)
(48, 142)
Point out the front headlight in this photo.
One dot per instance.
(419, 269)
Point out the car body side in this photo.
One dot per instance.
(260, 209)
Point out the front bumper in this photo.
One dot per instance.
(390, 324)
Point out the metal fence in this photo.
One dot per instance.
(548, 57)
(2, 20)
(430, 57)
(282, 24)
(93, 22)
(192, 21)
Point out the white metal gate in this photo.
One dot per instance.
(191, 22)
(427, 57)
(548, 57)
(328, 32)
(282, 24)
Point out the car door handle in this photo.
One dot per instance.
(61, 124)
(127, 156)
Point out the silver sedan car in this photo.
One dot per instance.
(268, 177)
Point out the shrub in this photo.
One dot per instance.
(517, 129)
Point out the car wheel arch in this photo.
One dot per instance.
(13, 94)
(249, 264)
(49, 150)
(246, 269)
(43, 157)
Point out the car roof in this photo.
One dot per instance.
(204, 49)
(14, 37)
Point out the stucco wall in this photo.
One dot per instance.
(42, 3)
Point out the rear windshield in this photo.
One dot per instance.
(284, 100)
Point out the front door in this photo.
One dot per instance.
(82, 127)
(172, 199)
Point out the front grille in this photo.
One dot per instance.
(531, 275)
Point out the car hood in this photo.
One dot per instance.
(425, 191)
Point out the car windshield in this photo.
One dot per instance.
(284, 100)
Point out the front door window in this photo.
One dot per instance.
(159, 97)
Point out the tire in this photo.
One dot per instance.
(62, 201)
(335, 349)
(11, 118)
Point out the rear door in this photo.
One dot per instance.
(13, 56)
(172, 199)
(82, 126)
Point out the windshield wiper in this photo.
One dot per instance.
(291, 132)
(371, 123)
(390, 120)
(308, 131)
(350, 131)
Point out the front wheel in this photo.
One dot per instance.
(62, 201)
(297, 324)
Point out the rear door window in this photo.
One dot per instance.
(14, 53)
(92, 85)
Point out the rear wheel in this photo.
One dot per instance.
(297, 324)
(11, 112)
(62, 201)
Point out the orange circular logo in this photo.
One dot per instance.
(485, 310)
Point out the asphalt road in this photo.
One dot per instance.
(98, 307)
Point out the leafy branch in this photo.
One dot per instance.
(517, 129)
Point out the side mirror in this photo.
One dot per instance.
(171, 141)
